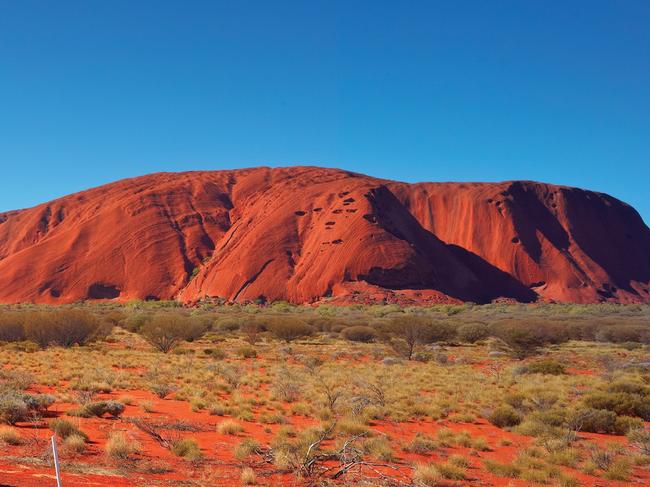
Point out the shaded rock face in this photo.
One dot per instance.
(303, 234)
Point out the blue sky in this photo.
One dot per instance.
(93, 91)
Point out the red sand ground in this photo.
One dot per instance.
(218, 449)
(304, 234)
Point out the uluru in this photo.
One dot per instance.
(309, 234)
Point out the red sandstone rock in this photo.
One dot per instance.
(304, 234)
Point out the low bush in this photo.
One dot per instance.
(229, 427)
(18, 406)
(13, 409)
(64, 327)
(119, 447)
(640, 439)
(11, 327)
(522, 340)
(165, 331)
(215, 353)
(621, 403)
(624, 333)
(379, 448)
(10, 436)
(228, 324)
(427, 475)
(64, 428)
(472, 332)
(508, 470)
(364, 334)
(248, 476)
(136, 321)
(246, 352)
(188, 449)
(450, 471)
(290, 329)
(548, 366)
(162, 389)
(504, 416)
(246, 448)
(593, 420)
(99, 409)
(75, 443)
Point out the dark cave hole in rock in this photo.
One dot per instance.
(103, 291)
(515, 240)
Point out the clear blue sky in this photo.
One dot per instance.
(557, 91)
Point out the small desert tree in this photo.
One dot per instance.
(288, 329)
(11, 327)
(166, 331)
(408, 333)
(522, 340)
(64, 328)
(251, 330)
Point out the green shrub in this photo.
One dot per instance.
(472, 332)
(165, 331)
(246, 352)
(408, 333)
(623, 333)
(515, 399)
(246, 448)
(64, 428)
(162, 389)
(620, 403)
(188, 449)
(364, 334)
(11, 327)
(75, 443)
(624, 424)
(13, 409)
(504, 416)
(65, 327)
(135, 322)
(99, 409)
(523, 340)
(10, 436)
(19, 406)
(508, 470)
(640, 439)
(548, 366)
(228, 324)
(215, 353)
(119, 447)
(289, 329)
(593, 420)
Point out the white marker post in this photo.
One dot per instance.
(55, 455)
